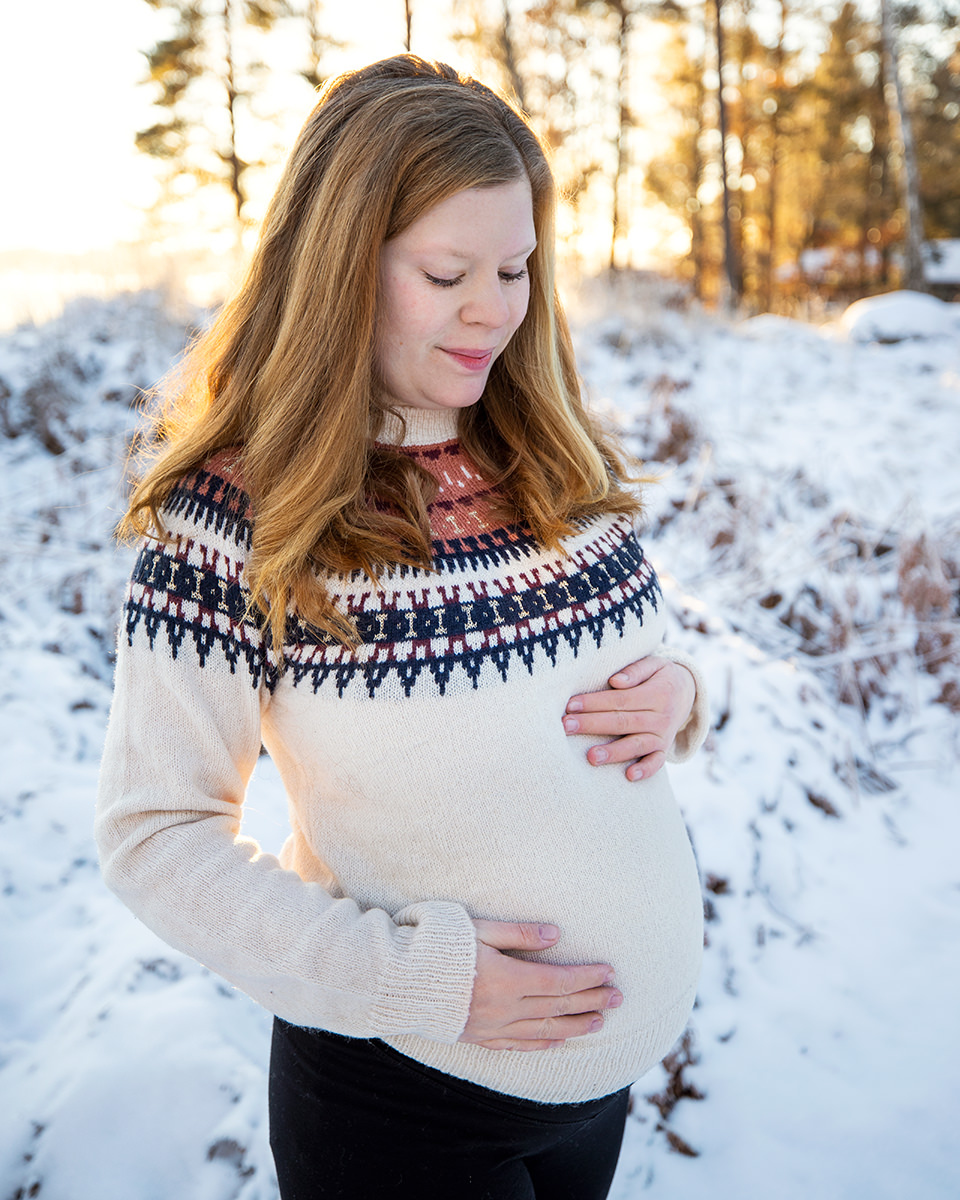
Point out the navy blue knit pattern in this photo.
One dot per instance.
(493, 599)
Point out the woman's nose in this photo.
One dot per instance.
(486, 304)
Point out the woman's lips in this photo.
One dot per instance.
(473, 360)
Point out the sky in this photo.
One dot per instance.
(72, 105)
(69, 94)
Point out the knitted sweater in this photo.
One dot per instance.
(429, 780)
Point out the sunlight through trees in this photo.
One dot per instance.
(762, 150)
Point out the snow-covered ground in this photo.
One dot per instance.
(807, 529)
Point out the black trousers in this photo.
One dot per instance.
(357, 1120)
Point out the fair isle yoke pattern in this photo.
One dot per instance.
(191, 589)
(493, 601)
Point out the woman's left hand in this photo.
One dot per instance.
(644, 708)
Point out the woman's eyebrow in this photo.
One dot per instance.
(450, 252)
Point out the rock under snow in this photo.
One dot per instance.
(898, 317)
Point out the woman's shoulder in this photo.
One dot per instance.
(213, 498)
(223, 469)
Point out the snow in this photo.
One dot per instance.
(942, 261)
(818, 262)
(897, 316)
(941, 258)
(807, 529)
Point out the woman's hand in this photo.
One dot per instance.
(647, 704)
(520, 1005)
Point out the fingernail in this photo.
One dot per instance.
(619, 678)
(635, 773)
(595, 1024)
(575, 706)
(610, 978)
(615, 1000)
(571, 724)
(549, 933)
(600, 756)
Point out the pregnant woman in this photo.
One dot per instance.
(383, 539)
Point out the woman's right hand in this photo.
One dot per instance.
(521, 1005)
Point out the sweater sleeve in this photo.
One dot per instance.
(690, 736)
(194, 673)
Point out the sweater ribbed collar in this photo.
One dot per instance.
(424, 426)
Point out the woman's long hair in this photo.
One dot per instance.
(287, 376)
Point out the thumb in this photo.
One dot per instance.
(516, 935)
(637, 672)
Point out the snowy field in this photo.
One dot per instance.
(807, 529)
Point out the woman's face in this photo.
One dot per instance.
(454, 288)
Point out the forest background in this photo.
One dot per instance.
(774, 155)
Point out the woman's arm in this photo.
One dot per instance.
(193, 676)
(654, 711)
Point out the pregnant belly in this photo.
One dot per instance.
(607, 861)
(623, 892)
(524, 837)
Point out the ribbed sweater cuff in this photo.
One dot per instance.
(427, 984)
(690, 737)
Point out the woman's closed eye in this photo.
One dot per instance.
(505, 277)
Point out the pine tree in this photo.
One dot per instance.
(759, 109)
(677, 176)
(494, 45)
(773, 104)
(544, 56)
(205, 79)
(930, 58)
(173, 64)
(507, 52)
(851, 203)
(620, 15)
(910, 175)
(319, 42)
(731, 258)
(937, 118)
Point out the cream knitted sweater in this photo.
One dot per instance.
(429, 780)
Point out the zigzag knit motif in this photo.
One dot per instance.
(492, 601)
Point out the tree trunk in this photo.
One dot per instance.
(408, 14)
(508, 51)
(913, 275)
(729, 254)
(318, 42)
(623, 123)
(697, 239)
(230, 156)
(770, 259)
